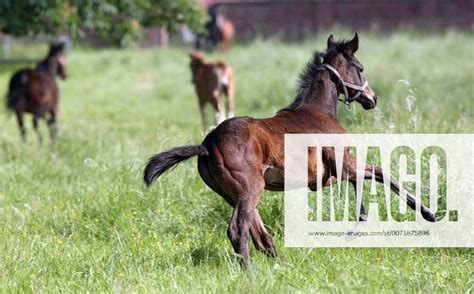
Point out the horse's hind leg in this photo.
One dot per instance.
(262, 240)
(242, 217)
(203, 110)
(239, 228)
(21, 124)
(219, 107)
(348, 173)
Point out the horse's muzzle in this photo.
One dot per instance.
(369, 103)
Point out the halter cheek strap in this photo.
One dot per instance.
(347, 99)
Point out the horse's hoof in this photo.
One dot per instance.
(429, 215)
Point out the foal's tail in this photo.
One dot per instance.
(161, 162)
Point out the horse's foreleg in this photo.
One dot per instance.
(203, 110)
(228, 45)
(21, 124)
(362, 213)
(53, 129)
(395, 186)
(230, 93)
(348, 173)
(220, 111)
(36, 118)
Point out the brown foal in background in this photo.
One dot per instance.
(226, 33)
(243, 156)
(212, 80)
(35, 90)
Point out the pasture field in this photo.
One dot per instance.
(77, 217)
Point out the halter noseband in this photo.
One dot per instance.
(347, 99)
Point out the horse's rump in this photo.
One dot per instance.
(16, 88)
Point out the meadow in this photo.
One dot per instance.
(76, 216)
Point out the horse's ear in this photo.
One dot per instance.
(196, 55)
(353, 45)
(331, 41)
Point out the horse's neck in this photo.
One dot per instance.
(47, 66)
(323, 95)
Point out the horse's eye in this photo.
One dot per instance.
(359, 67)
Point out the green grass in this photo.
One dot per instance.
(76, 216)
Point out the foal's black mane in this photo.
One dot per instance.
(308, 74)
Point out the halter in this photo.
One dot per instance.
(347, 99)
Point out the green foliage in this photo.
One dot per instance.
(170, 14)
(77, 217)
(22, 17)
(115, 21)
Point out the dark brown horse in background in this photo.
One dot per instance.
(243, 156)
(35, 90)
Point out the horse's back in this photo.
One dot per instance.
(306, 121)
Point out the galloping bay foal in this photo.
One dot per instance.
(212, 80)
(244, 155)
(35, 90)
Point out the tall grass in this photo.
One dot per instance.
(76, 216)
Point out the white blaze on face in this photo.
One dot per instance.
(370, 94)
(62, 59)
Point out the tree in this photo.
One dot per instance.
(23, 17)
(170, 14)
(115, 21)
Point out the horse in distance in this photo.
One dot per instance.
(226, 33)
(212, 80)
(220, 33)
(35, 90)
